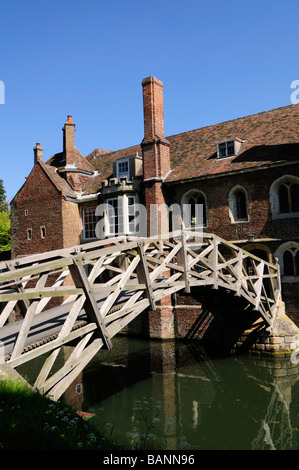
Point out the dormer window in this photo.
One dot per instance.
(229, 148)
(226, 149)
(123, 169)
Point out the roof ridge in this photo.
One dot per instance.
(234, 119)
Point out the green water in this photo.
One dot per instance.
(174, 395)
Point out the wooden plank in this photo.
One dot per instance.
(52, 345)
(62, 379)
(45, 370)
(91, 306)
(23, 303)
(144, 277)
(117, 326)
(154, 274)
(113, 296)
(183, 261)
(27, 322)
(6, 312)
(46, 292)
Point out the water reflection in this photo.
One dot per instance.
(175, 395)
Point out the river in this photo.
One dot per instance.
(176, 395)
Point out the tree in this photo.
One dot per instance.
(3, 200)
(4, 231)
(4, 220)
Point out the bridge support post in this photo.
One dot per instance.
(279, 341)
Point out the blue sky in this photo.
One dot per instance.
(218, 60)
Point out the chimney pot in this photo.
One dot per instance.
(68, 138)
(38, 153)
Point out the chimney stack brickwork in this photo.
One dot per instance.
(156, 154)
(38, 153)
(68, 139)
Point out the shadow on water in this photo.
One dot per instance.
(171, 395)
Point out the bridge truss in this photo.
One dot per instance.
(85, 295)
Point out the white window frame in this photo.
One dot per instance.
(84, 211)
(109, 225)
(123, 215)
(274, 197)
(119, 173)
(279, 253)
(127, 220)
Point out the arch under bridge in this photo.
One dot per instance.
(85, 295)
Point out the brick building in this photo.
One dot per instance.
(244, 173)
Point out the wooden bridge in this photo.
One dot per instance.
(85, 295)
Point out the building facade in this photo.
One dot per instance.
(243, 173)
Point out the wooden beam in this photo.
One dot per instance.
(183, 262)
(143, 276)
(91, 306)
(111, 299)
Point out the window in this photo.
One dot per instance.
(238, 204)
(89, 223)
(43, 232)
(115, 216)
(241, 205)
(122, 169)
(226, 149)
(131, 214)
(291, 262)
(284, 197)
(288, 258)
(288, 194)
(121, 215)
(194, 209)
(29, 234)
(26, 212)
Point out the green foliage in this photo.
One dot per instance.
(4, 220)
(30, 421)
(3, 200)
(4, 231)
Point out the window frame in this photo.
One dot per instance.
(293, 248)
(195, 194)
(233, 204)
(84, 223)
(274, 199)
(226, 143)
(120, 174)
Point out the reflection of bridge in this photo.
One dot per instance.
(102, 287)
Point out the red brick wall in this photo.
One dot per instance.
(260, 222)
(44, 205)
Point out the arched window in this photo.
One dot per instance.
(194, 208)
(241, 205)
(288, 194)
(284, 197)
(291, 262)
(238, 204)
(288, 258)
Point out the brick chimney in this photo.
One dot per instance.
(68, 138)
(156, 154)
(38, 153)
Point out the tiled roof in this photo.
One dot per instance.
(76, 158)
(60, 183)
(270, 138)
(103, 162)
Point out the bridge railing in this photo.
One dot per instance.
(90, 292)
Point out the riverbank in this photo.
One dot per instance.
(30, 421)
